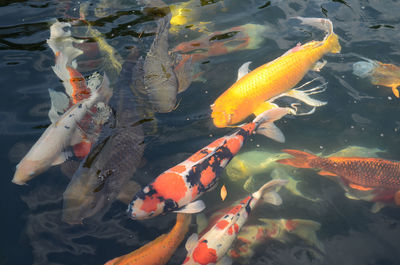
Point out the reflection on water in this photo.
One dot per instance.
(357, 113)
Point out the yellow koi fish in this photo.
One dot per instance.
(160, 250)
(250, 94)
(379, 73)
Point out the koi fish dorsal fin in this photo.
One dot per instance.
(358, 187)
(326, 173)
(191, 242)
(243, 70)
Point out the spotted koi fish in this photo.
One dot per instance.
(214, 244)
(252, 236)
(370, 179)
(253, 91)
(51, 147)
(381, 74)
(180, 185)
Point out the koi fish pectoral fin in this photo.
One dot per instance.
(193, 207)
(327, 173)
(318, 65)
(273, 198)
(263, 107)
(359, 187)
(377, 206)
(395, 90)
(61, 158)
(271, 131)
(191, 242)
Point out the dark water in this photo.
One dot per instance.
(357, 113)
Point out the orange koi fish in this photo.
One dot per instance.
(250, 94)
(370, 179)
(380, 74)
(178, 187)
(214, 244)
(160, 250)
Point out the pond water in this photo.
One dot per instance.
(357, 113)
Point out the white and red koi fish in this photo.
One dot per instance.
(50, 149)
(180, 185)
(214, 244)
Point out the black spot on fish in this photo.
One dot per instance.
(267, 4)
(66, 127)
(170, 205)
(80, 106)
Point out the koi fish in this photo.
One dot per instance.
(50, 149)
(251, 92)
(380, 74)
(160, 80)
(114, 159)
(200, 172)
(214, 244)
(248, 36)
(370, 179)
(252, 236)
(165, 246)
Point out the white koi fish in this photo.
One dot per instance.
(215, 243)
(50, 149)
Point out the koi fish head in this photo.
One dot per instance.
(221, 118)
(147, 204)
(28, 169)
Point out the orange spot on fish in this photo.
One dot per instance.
(234, 254)
(234, 145)
(230, 230)
(198, 155)
(204, 255)
(150, 204)
(186, 260)
(78, 83)
(178, 168)
(222, 224)
(358, 187)
(236, 228)
(291, 225)
(82, 149)
(235, 210)
(207, 176)
(165, 181)
(195, 191)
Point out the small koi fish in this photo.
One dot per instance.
(180, 185)
(370, 179)
(380, 74)
(165, 246)
(253, 90)
(214, 244)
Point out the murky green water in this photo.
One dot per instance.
(357, 113)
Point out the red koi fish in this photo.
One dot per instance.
(215, 243)
(370, 179)
(180, 185)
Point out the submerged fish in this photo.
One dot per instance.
(51, 147)
(214, 244)
(250, 94)
(180, 185)
(379, 73)
(252, 236)
(160, 80)
(370, 179)
(109, 166)
(160, 250)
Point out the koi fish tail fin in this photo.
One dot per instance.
(331, 39)
(268, 191)
(301, 159)
(265, 123)
(364, 68)
(306, 230)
